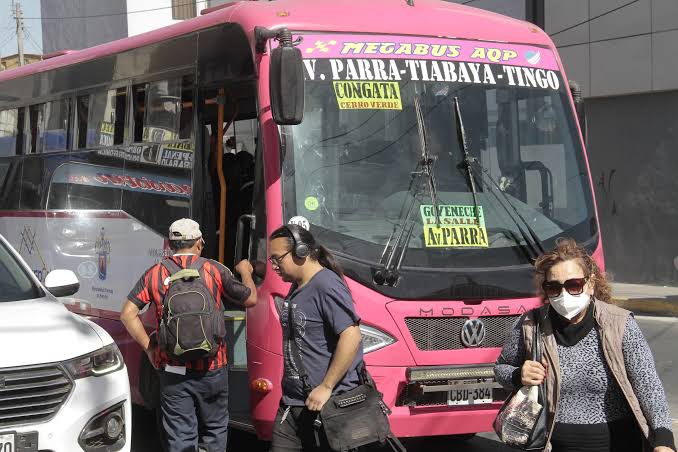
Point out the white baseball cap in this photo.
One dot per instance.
(184, 229)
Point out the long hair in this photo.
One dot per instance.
(567, 249)
(318, 252)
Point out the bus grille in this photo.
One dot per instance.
(444, 333)
(32, 394)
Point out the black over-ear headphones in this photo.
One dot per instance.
(301, 249)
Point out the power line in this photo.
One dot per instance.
(595, 17)
(635, 35)
(194, 2)
(38, 47)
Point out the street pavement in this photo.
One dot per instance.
(661, 333)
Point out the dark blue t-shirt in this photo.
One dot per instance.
(322, 310)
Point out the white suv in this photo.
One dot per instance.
(63, 382)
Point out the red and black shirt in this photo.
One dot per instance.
(219, 280)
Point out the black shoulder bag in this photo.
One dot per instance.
(522, 421)
(353, 418)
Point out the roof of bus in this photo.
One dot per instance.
(425, 18)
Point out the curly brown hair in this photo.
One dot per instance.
(567, 249)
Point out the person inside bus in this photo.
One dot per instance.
(609, 396)
(326, 334)
(193, 394)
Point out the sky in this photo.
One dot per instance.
(32, 27)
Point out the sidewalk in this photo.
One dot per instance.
(645, 299)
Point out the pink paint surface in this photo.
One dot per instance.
(425, 48)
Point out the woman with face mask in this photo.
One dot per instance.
(602, 389)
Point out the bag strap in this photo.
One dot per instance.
(395, 444)
(197, 263)
(536, 339)
(171, 266)
(294, 349)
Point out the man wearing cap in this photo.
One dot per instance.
(194, 394)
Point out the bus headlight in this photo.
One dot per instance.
(102, 362)
(374, 339)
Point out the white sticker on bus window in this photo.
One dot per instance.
(300, 221)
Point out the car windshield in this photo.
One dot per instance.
(353, 167)
(15, 283)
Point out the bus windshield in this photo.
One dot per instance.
(352, 168)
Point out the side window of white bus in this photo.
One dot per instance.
(101, 118)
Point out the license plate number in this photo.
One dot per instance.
(466, 397)
(7, 442)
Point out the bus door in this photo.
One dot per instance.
(228, 122)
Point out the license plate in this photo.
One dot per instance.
(7, 441)
(465, 397)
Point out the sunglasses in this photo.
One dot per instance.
(574, 286)
(275, 260)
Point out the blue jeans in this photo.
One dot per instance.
(195, 406)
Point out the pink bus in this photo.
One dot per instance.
(433, 147)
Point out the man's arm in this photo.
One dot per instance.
(130, 318)
(347, 348)
(244, 269)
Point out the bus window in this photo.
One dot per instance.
(163, 110)
(85, 184)
(11, 122)
(101, 118)
(35, 114)
(56, 128)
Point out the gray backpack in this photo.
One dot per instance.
(191, 326)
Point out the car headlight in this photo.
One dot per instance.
(102, 362)
(374, 339)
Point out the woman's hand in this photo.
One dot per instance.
(663, 449)
(533, 373)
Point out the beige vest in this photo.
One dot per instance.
(610, 322)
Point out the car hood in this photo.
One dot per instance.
(42, 331)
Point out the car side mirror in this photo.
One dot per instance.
(286, 84)
(62, 283)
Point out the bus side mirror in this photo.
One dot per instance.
(287, 85)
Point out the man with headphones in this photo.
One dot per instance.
(321, 337)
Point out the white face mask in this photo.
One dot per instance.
(569, 306)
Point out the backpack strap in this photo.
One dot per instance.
(171, 266)
(198, 263)
(177, 272)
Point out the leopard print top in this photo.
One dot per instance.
(593, 396)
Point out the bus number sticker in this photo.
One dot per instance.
(362, 95)
(311, 203)
(300, 221)
(460, 226)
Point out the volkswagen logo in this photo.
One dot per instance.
(472, 333)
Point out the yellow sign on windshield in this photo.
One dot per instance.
(359, 95)
(460, 226)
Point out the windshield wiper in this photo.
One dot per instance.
(466, 163)
(533, 242)
(388, 273)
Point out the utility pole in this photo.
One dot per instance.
(19, 32)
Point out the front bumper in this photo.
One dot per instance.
(427, 413)
(89, 397)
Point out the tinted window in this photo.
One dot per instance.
(81, 183)
(15, 284)
(101, 118)
(9, 132)
(56, 128)
(163, 110)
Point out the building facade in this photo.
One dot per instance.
(623, 54)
